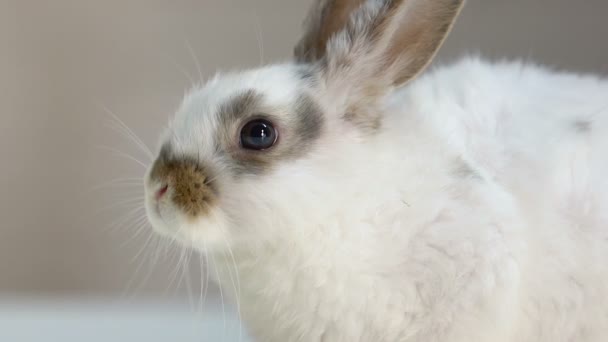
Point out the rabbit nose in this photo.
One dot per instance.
(161, 192)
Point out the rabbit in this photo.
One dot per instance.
(353, 194)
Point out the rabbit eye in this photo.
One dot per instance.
(258, 135)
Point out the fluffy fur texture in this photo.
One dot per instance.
(476, 209)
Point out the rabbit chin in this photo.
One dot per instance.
(205, 232)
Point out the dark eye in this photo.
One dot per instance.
(258, 135)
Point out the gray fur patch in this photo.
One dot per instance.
(368, 123)
(231, 114)
(238, 107)
(582, 126)
(307, 73)
(165, 152)
(310, 119)
(298, 126)
(296, 138)
(462, 169)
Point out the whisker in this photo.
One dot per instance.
(188, 281)
(154, 259)
(237, 290)
(174, 274)
(151, 265)
(138, 269)
(141, 250)
(127, 182)
(178, 143)
(121, 126)
(182, 268)
(200, 296)
(181, 69)
(130, 138)
(195, 58)
(219, 172)
(140, 224)
(221, 292)
(159, 242)
(259, 36)
(124, 155)
(207, 271)
(132, 201)
(126, 218)
(198, 154)
(168, 246)
(130, 194)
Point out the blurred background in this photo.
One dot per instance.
(68, 188)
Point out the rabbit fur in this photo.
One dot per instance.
(467, 203)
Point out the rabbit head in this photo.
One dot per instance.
(251, 152)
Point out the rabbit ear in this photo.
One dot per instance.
(363, 48)
(325, 19)
(406, 31)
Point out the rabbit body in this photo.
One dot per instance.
(479, 213)
(468, 204)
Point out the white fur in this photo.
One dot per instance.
(380, 239)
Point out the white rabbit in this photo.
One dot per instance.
(355, 203)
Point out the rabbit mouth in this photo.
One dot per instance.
(204, 232)
(158, 214)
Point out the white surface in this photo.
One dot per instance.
(98, 319)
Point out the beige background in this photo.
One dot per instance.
(62, 60)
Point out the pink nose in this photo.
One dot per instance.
(161, 192)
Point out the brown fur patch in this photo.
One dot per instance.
(188, 184)
(190, 192)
